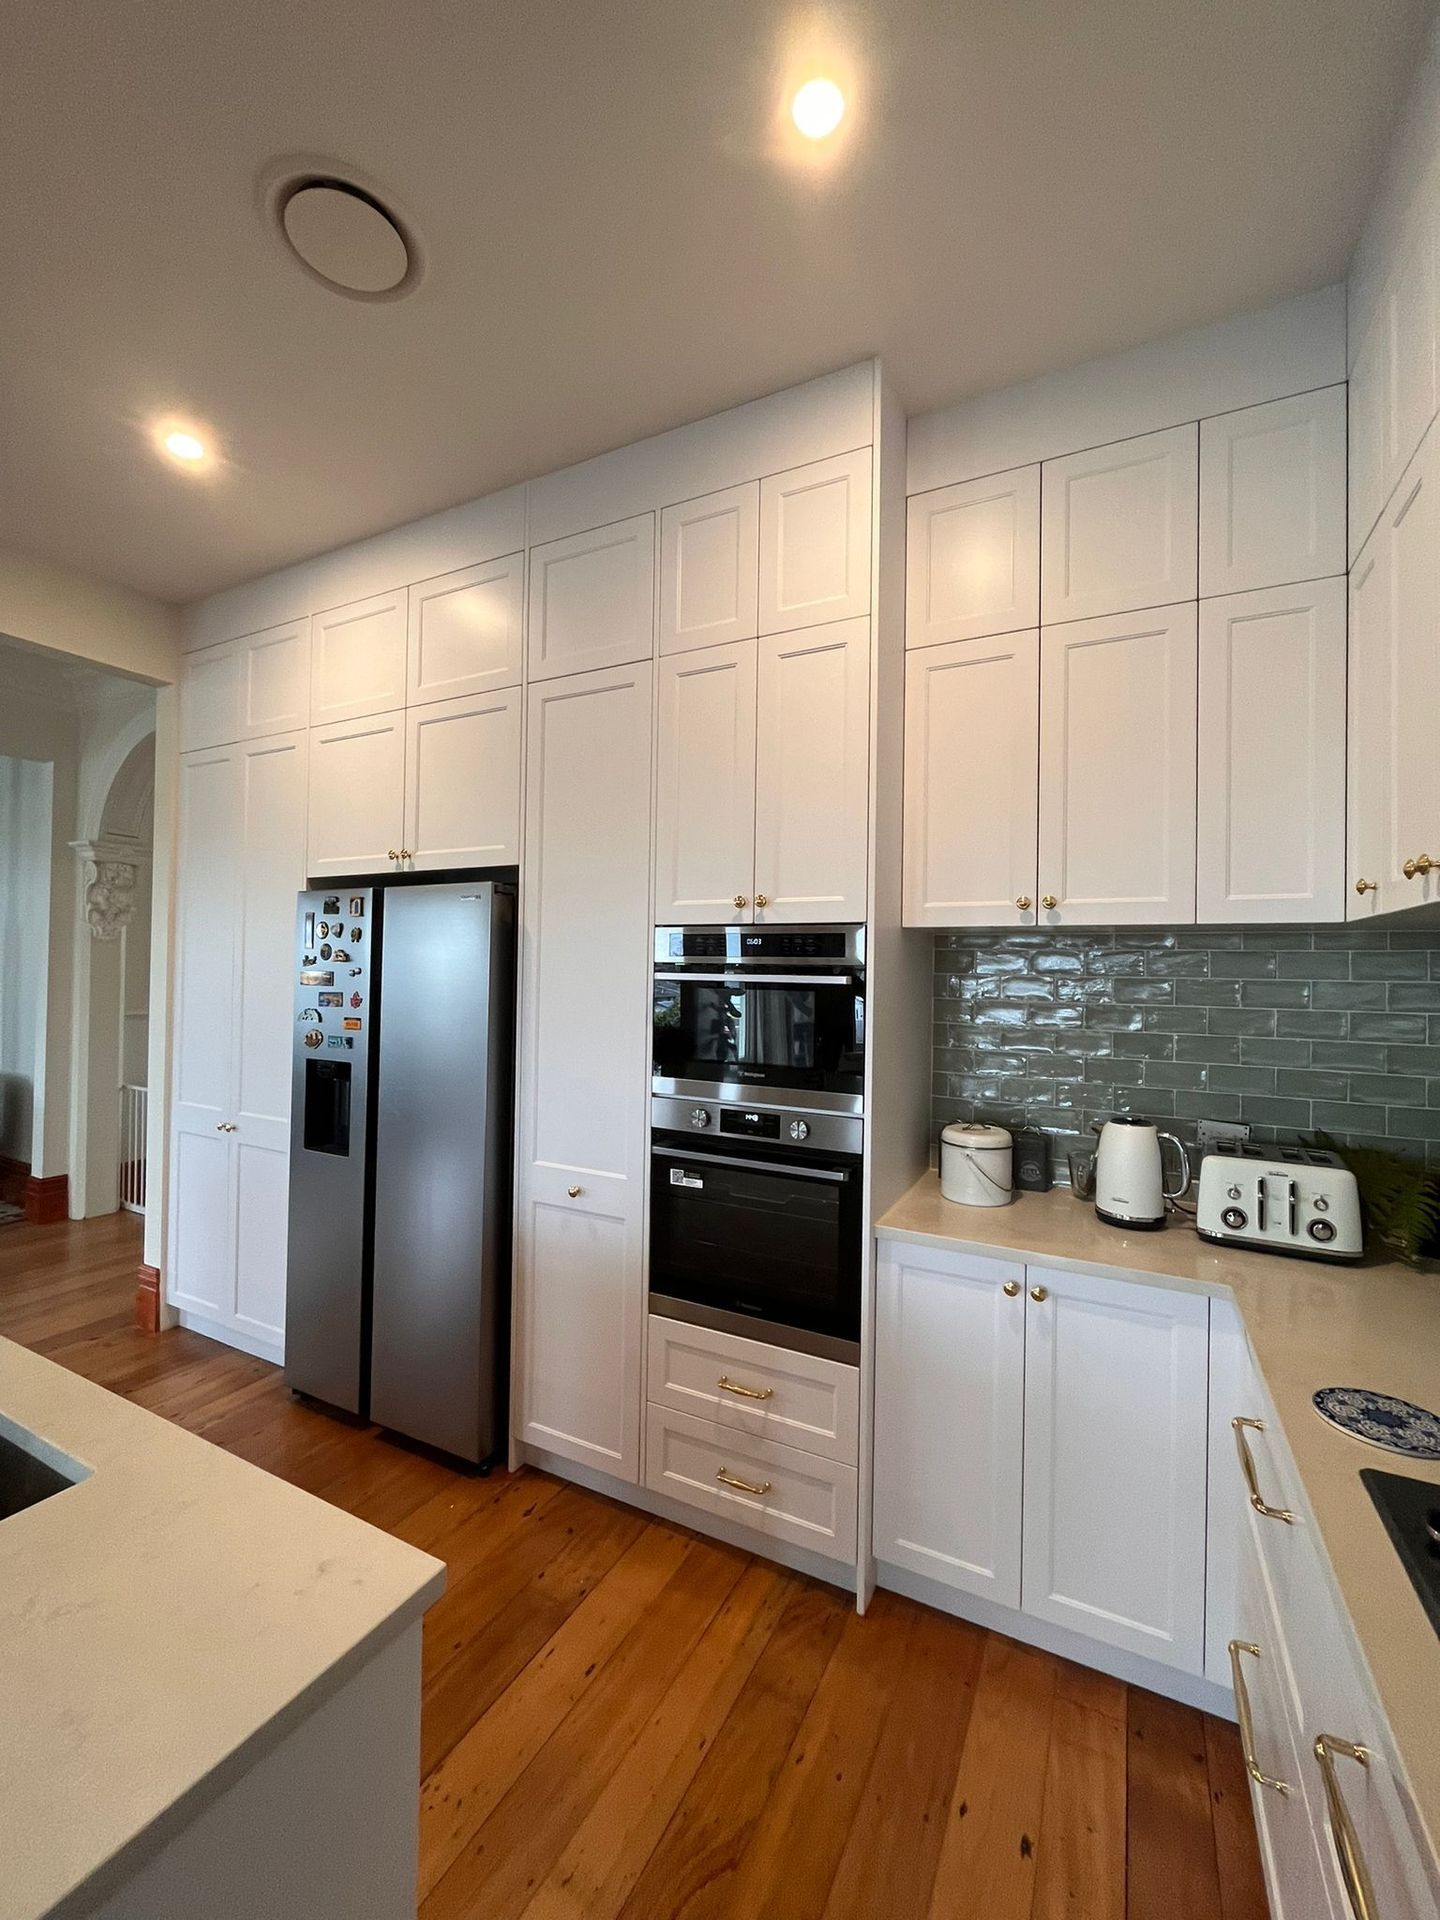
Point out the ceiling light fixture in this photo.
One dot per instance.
(818, 108)
(187, 448)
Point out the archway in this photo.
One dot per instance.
(112, 979)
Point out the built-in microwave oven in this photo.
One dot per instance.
(761, 1014)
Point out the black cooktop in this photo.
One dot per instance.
(1410, 1509)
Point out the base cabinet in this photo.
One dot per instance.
(1040, 1441)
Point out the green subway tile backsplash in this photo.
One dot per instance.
(1290, 1029)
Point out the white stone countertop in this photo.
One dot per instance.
(163, 1624)
(1309, 1325)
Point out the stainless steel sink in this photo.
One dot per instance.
(27, 1477)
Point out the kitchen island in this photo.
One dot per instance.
(211, 1680)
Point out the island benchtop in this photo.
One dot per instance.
(1309, 1325)
(163, 1624)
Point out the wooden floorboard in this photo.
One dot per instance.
(624, 1721)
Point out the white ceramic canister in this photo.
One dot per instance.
(976, 1165)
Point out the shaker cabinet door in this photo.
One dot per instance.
(710, 569)
(466, 631)
(1272, 493)
(592, 599)
(812, 774)
(705, 786)
(972, 751)
(1373, 885)
(1115, 1463)
(973, 559)
(1271, 843)
(949, 1417)
(462, 782)
(357, 795)
(1117, 770)
(1118, 527)
(584, 1070)
(357, 659)
(815, 543)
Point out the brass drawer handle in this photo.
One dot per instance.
(1347, 1843)
(727, 1385)
(1247, 1467)
(742, 1486)
(1247, 1725)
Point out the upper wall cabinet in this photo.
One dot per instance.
(462, 782)
(972, 758)
(1118, 527)
(1272, 494)
(592, 599)
(710, 569)
(1117, 770)
(357, 794)
(1368, 406)
(705, 785)
(1393, 382)
(247, 689)
(466, 632)
(1271, 843)
(815, 543)
(973, 559)
(358, 659)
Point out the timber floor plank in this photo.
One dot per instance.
(622, 1720)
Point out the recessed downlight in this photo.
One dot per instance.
(188, 448)
(182, 443)
(818, 108)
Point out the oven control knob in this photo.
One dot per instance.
(699, 1116)
(799, 1129)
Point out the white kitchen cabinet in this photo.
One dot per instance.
(242, 862)
(949, 1417)
(1118, 527)
(462, 782)
(815, 543)
(705, 785)
(1272, 493)
(972, 765)
(592, 599)
(1407, 318)
(248, 688)
(584, 1070)
(1115, 1455)
(1369, 404)
(1271, 825)
(466, 632)
(357, 795)
(357, 658)
(973, 559)
(1117, 770)
(812, 773)
(774, 1393)
(778, 1492)
(1394, 696)
(710, 569)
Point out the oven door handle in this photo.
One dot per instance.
(757, 979)
(836, 1176)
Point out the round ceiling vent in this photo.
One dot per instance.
(343, 234)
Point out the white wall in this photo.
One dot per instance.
(86, 619)
(25, 787)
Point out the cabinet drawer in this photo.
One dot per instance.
(795, 1399)
(783, 1494)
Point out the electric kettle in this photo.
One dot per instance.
(1130, 1188)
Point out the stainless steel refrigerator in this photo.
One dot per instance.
(397, 1298)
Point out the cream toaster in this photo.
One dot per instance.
(1297, 1200)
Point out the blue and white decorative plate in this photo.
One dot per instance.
(1381, 1420)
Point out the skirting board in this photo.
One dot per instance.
(1190, 1689)
(253, 1343)
(834, 1573)
(47, 1200)
(147, 1298)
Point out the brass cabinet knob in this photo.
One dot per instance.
(1362, 887)
(762, 899)
(1049, 903)
(1421, 864)
(1023, 903)
(741, 901)
(1010, 1289)
(226, 1126)
(574, 1192)
(392, 854)
(1038, 1294)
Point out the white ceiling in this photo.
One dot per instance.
(617, 239)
